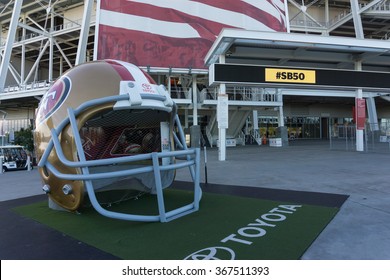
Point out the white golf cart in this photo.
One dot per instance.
(14, 157)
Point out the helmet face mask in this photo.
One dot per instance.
(115, 135)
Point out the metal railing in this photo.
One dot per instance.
(65, 26)
(380, 7)
(343, 137)
(239, 93)
(43, 84)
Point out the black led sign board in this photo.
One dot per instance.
(297, 77)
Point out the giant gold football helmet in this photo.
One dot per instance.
(106, 125)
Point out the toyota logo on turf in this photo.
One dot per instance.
(213, 253)
(246, 235)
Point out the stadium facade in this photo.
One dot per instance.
(40, 40)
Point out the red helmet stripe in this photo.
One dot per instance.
(150, 79)
(121, 70)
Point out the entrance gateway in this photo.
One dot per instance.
(302, 65)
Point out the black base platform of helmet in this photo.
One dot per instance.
(25, 239)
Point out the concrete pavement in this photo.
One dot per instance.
(360, 231)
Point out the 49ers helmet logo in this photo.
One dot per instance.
(53, 98)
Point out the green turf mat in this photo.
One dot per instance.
(225, 227)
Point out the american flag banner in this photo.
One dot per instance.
(177, 33)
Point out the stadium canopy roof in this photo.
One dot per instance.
(299, 50)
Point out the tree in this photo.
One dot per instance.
(24, 137)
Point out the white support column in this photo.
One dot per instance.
(287, 17)
(222, 117)
(61, 65)
(372, 115)
(51, 48)
(255, 121)
(194, 100)
(222, 144)
(28, 163)
(169, 86)
(326, 16)
(280, 116)
(23, 58)
(279, 98)
(51, 56)
(326, 10)
(359, 132)
(82, 47)
(10, 41)
(223, 120)
(357, 21)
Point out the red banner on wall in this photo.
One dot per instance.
(177, 33)
(360, 113)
